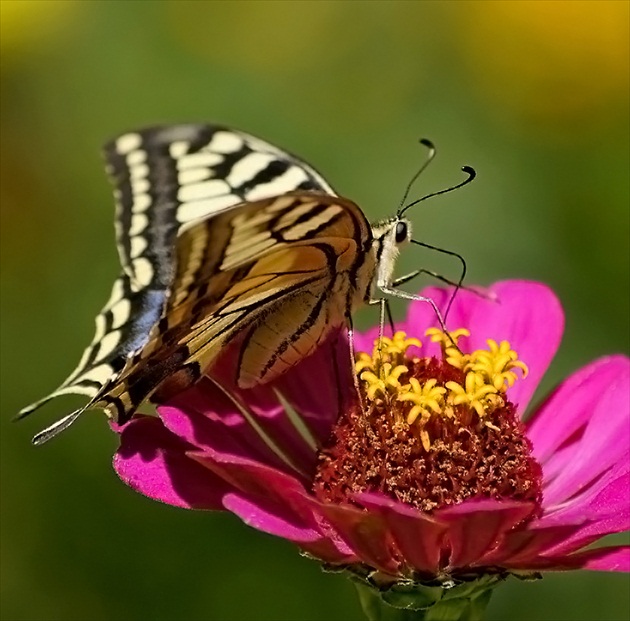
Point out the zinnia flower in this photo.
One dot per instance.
(431, 482)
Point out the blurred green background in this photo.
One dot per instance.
(534, 95)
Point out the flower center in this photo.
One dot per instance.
(431, 432)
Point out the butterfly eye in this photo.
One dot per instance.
(401, 232)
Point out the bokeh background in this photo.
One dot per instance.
(534, 95)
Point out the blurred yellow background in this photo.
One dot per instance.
(534, 95)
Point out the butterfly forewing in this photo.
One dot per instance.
(164, 178)
(302, 275)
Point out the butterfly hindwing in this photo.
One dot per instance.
(269, 349)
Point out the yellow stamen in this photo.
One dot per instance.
(364, 361)
(448, 344)
(426, 398)
(447, 339)
(496, 365)
(489, 373)
(473, 394)
(395, 346)
(386, 382)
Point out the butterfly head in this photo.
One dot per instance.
(392, 232)
(388, 237)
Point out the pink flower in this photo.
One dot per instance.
(255, 459)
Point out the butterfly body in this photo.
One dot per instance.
(222, 238)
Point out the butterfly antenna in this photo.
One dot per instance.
(469, 170)
(430, 155)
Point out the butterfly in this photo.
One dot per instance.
(224, 238)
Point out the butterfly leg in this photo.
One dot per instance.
(458, 285)
(355, 377)
(388, 289)
(401, 280)
(397, 293)
(352, 352)
(384, 309)
(485, 294)
(390, 318)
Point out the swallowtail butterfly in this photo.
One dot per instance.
(222, 236)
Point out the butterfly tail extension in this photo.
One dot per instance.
(114, 397)
(97, 401)
(57, 427)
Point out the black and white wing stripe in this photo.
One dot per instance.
(163, 178)
(122, 328)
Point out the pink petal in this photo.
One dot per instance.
(207, 418)
(607, 499)
(568, 409)
(309, 540)
(477, 526)
(606, 513)
(527, 314)
(153, 461)
(275, 501)
(582, 430)
(365, 533)
(417, 535)
(614, 558)
(549, 538)
(520, 547)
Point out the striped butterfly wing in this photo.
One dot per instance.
(301, 261)
(122, 327)
(165, 177)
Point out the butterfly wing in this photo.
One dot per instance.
(278, 275)
(163, 178)
(121, 328)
